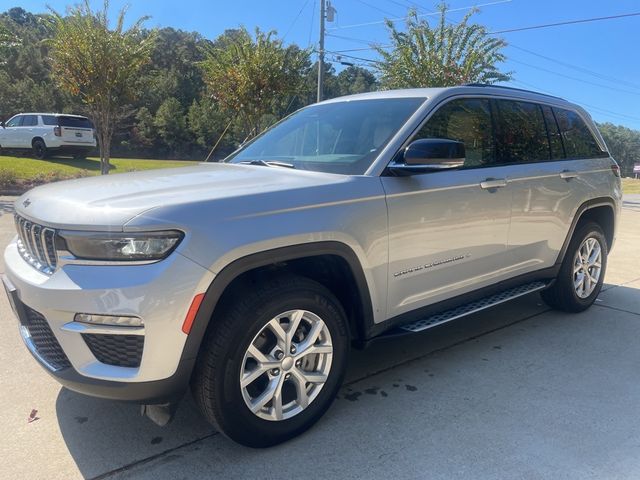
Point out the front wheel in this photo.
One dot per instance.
(272, 361)
(582, 272)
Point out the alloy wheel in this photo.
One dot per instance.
(587, 267)
(286, 365)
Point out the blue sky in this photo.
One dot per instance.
(594, 64)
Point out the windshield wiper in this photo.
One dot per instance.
(268, 164)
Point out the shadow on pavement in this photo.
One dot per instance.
(103, 435)
(6, 207)
(514, 387)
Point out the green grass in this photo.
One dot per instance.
(23, 172)
(630, 185)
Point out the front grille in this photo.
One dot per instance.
(117, 350)
(43, 339)
(36, 244)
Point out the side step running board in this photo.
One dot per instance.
(473, 307)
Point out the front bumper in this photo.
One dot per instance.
(159, 293)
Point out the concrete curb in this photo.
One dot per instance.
(16, 192)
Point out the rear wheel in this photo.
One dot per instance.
(582, 272)
(272, 361)
(39, 149)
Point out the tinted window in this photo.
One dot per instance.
(555, 140)
(74, 122)
(522, 135)
(341, 137)
(49, 120)
(15, 121)
(467, 121)
(578, 140)
(30, 121)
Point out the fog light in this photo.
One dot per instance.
(113, 320)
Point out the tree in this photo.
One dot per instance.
(99, 64)
(170, 123)
(143, 134)
(440, 56)
(249, 78)
(624, 145)
(356, 80)
(6, 39)
(207, 124)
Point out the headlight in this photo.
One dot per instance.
(119, 246)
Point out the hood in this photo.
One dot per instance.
(108, 202)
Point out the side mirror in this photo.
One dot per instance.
(435, 153)
(2, 125)
(429, 155)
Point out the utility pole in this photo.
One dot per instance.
(321, 52)
(327, 12)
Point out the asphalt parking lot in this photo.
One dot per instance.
(518, 391)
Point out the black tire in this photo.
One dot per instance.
(39, 149)
(243, 314)
(562, 294)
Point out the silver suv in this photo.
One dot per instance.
(368, 215)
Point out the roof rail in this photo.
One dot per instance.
(510, 88)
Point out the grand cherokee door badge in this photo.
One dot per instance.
(431, 265)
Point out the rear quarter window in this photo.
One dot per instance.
(577, 138)
(75, 122)
(49, 120)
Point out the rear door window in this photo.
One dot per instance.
(30, 121)
(521, 133)
(555, 139)
(577, 138)
(75, 122)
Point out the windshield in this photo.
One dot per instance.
(342, 137)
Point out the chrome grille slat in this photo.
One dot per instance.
(36, 245)
(45, 250)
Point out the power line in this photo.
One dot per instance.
(568, 22)
(574, 78)
(313, 15)
(568, 65)
(350, 39)
(386, 12)
(295, 19)
(581, 69)
(406, 4)
(378, 22)
(576, 67)
(352, 56)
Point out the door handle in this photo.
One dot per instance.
(490, 183)
(568, 174)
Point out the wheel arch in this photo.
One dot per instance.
(33, 140)
(600, 210)
(296, 257)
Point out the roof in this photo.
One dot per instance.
(52, 114)
(497, 90)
